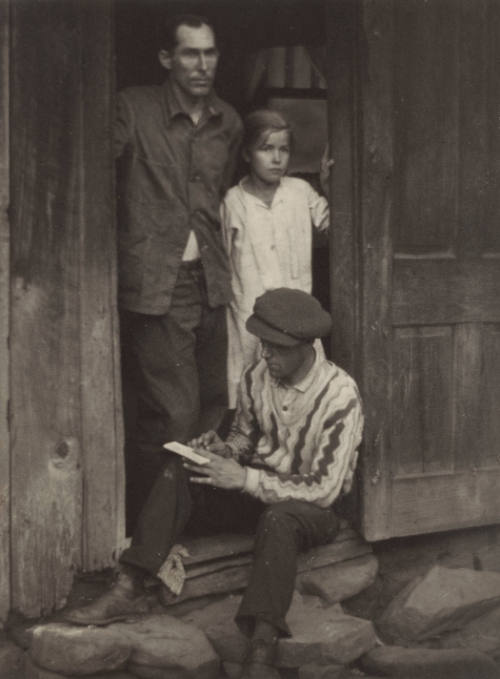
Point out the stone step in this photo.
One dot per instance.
(221, 563)
(424, 663)
(321, 634)
(442, 600)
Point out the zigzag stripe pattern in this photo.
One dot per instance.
(308, 452)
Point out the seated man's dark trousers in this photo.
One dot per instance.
(284, 529)
(175, 368)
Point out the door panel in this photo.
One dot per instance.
(430, 225)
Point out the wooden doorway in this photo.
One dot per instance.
(264, 61)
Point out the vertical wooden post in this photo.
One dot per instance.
(4, 315)
(342, 30)
(343, 133)
(102, 436)
(376, 220)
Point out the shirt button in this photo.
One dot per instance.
(273, 247)
(285, 408)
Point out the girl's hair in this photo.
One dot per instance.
(260, 122)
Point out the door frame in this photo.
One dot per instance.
(4, 314)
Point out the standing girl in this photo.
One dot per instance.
(266, 222)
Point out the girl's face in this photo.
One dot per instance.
(269, 158)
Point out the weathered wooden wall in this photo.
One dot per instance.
(4, 313)
(66, 442)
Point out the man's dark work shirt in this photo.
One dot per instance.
(172, 176)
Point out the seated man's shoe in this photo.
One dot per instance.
(259, 663)
(124, 600)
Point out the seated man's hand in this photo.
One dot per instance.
(218, 472)
(210, 441)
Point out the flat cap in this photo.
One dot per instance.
(287, 316)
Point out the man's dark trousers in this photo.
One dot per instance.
(174, 368)
(284, 529)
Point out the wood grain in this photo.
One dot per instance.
(441, 502)
(343, 134)
(102, 437)
(422, 386)
(425, 67)
(377, 199)
(449, 291)
(431, 271)
(488, 431)
(4, 316)
(46, 163)
(479, 199)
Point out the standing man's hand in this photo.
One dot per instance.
(210, 441)
(218, 472)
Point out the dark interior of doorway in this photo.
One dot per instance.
(242, 27)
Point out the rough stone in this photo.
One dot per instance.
(313, 671)
(145, 672)
(442, 600)
(321, 635)
(32, 671)
(232, 669)
(81, 650)
(11, 661)
(217, 621)
(425, 663)
(481, 634)
(324, 635)
(339, 581)
(155, 641)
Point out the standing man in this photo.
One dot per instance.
(177, 144)
(290, 453)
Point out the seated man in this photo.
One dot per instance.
(292, 450)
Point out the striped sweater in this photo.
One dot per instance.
(297, 442)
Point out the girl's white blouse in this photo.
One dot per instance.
(268, 247)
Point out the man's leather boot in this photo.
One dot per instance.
(126, 599)
(259, 663)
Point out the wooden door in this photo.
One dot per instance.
(429, 264)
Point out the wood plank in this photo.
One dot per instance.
(343, 134)
(214, 547)
(488, 430)
(102, 437)
(442, 502)
(475, 191)
(427, 292)
(236, 577)
(227, 545)
(339, 550)
(204, 568)
(467, 359)
(422, 399)
(479, 199)
(4, 316)
(376, 216)
(426, 125)
(46, 161)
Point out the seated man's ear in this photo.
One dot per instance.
(165, 59)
